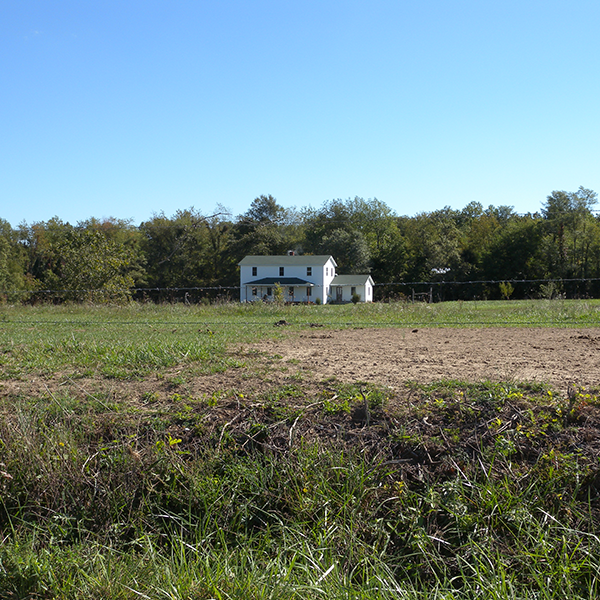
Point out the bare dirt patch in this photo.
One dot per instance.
(560, 357)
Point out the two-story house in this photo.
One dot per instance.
(303, 278)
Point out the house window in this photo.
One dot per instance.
(326, 271)
(254, 291)
(308, 292)
(308, 271)
(332, 272)
(254, 271)
(291, 291)
(269, 292)
(352, 291)
(281, 270)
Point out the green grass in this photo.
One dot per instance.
(134, 340)
(447, 490)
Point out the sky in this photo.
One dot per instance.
(127, 109)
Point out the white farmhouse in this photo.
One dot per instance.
(303, 278)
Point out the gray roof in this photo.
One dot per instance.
(309, 260)
(351, 280)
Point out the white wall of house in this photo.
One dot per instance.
(316, 270)
(345, 286)
(364, 291)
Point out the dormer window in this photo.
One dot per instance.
(281, 271)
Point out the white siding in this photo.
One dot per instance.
(320, 276)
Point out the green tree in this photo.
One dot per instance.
(517, 252)
(571, 232)
(93, 267)
(188, 249)
(13, 264)
(266, 228)
(349, 249)
(85, 262)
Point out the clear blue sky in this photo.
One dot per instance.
(127, 108)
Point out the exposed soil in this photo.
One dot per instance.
(560, 357)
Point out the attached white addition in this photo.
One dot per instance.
(346, 287)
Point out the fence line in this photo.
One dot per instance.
(224, 288)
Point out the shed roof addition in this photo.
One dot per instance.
(351, 280)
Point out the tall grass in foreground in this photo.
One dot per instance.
(474, 491)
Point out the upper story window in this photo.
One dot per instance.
(281, 270)
(326, 271)
(308, 271)
(254, 271)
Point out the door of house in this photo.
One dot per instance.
(339, 291)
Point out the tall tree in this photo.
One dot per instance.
(517, 252)
(79, 263)
(569, 225)
(349, 249)
(13, 264)
(188, 249)
(265, 228)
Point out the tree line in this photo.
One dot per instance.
(479, 253)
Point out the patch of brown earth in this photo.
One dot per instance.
(563, 358)
(560, 357)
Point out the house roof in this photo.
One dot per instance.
(302, 260)
(352, 280)
(279, 280)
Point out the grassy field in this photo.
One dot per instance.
(137, 339)
(336, 490)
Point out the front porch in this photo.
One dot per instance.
(293, 290)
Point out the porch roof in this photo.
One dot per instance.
(285, 281)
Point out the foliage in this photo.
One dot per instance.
(506, 289)
(87, 262)
(266, 228)
(190, 255)
(13, 277)
(278, 295)
(188, 250)
(349, 249)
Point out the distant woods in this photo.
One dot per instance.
(192, 256)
